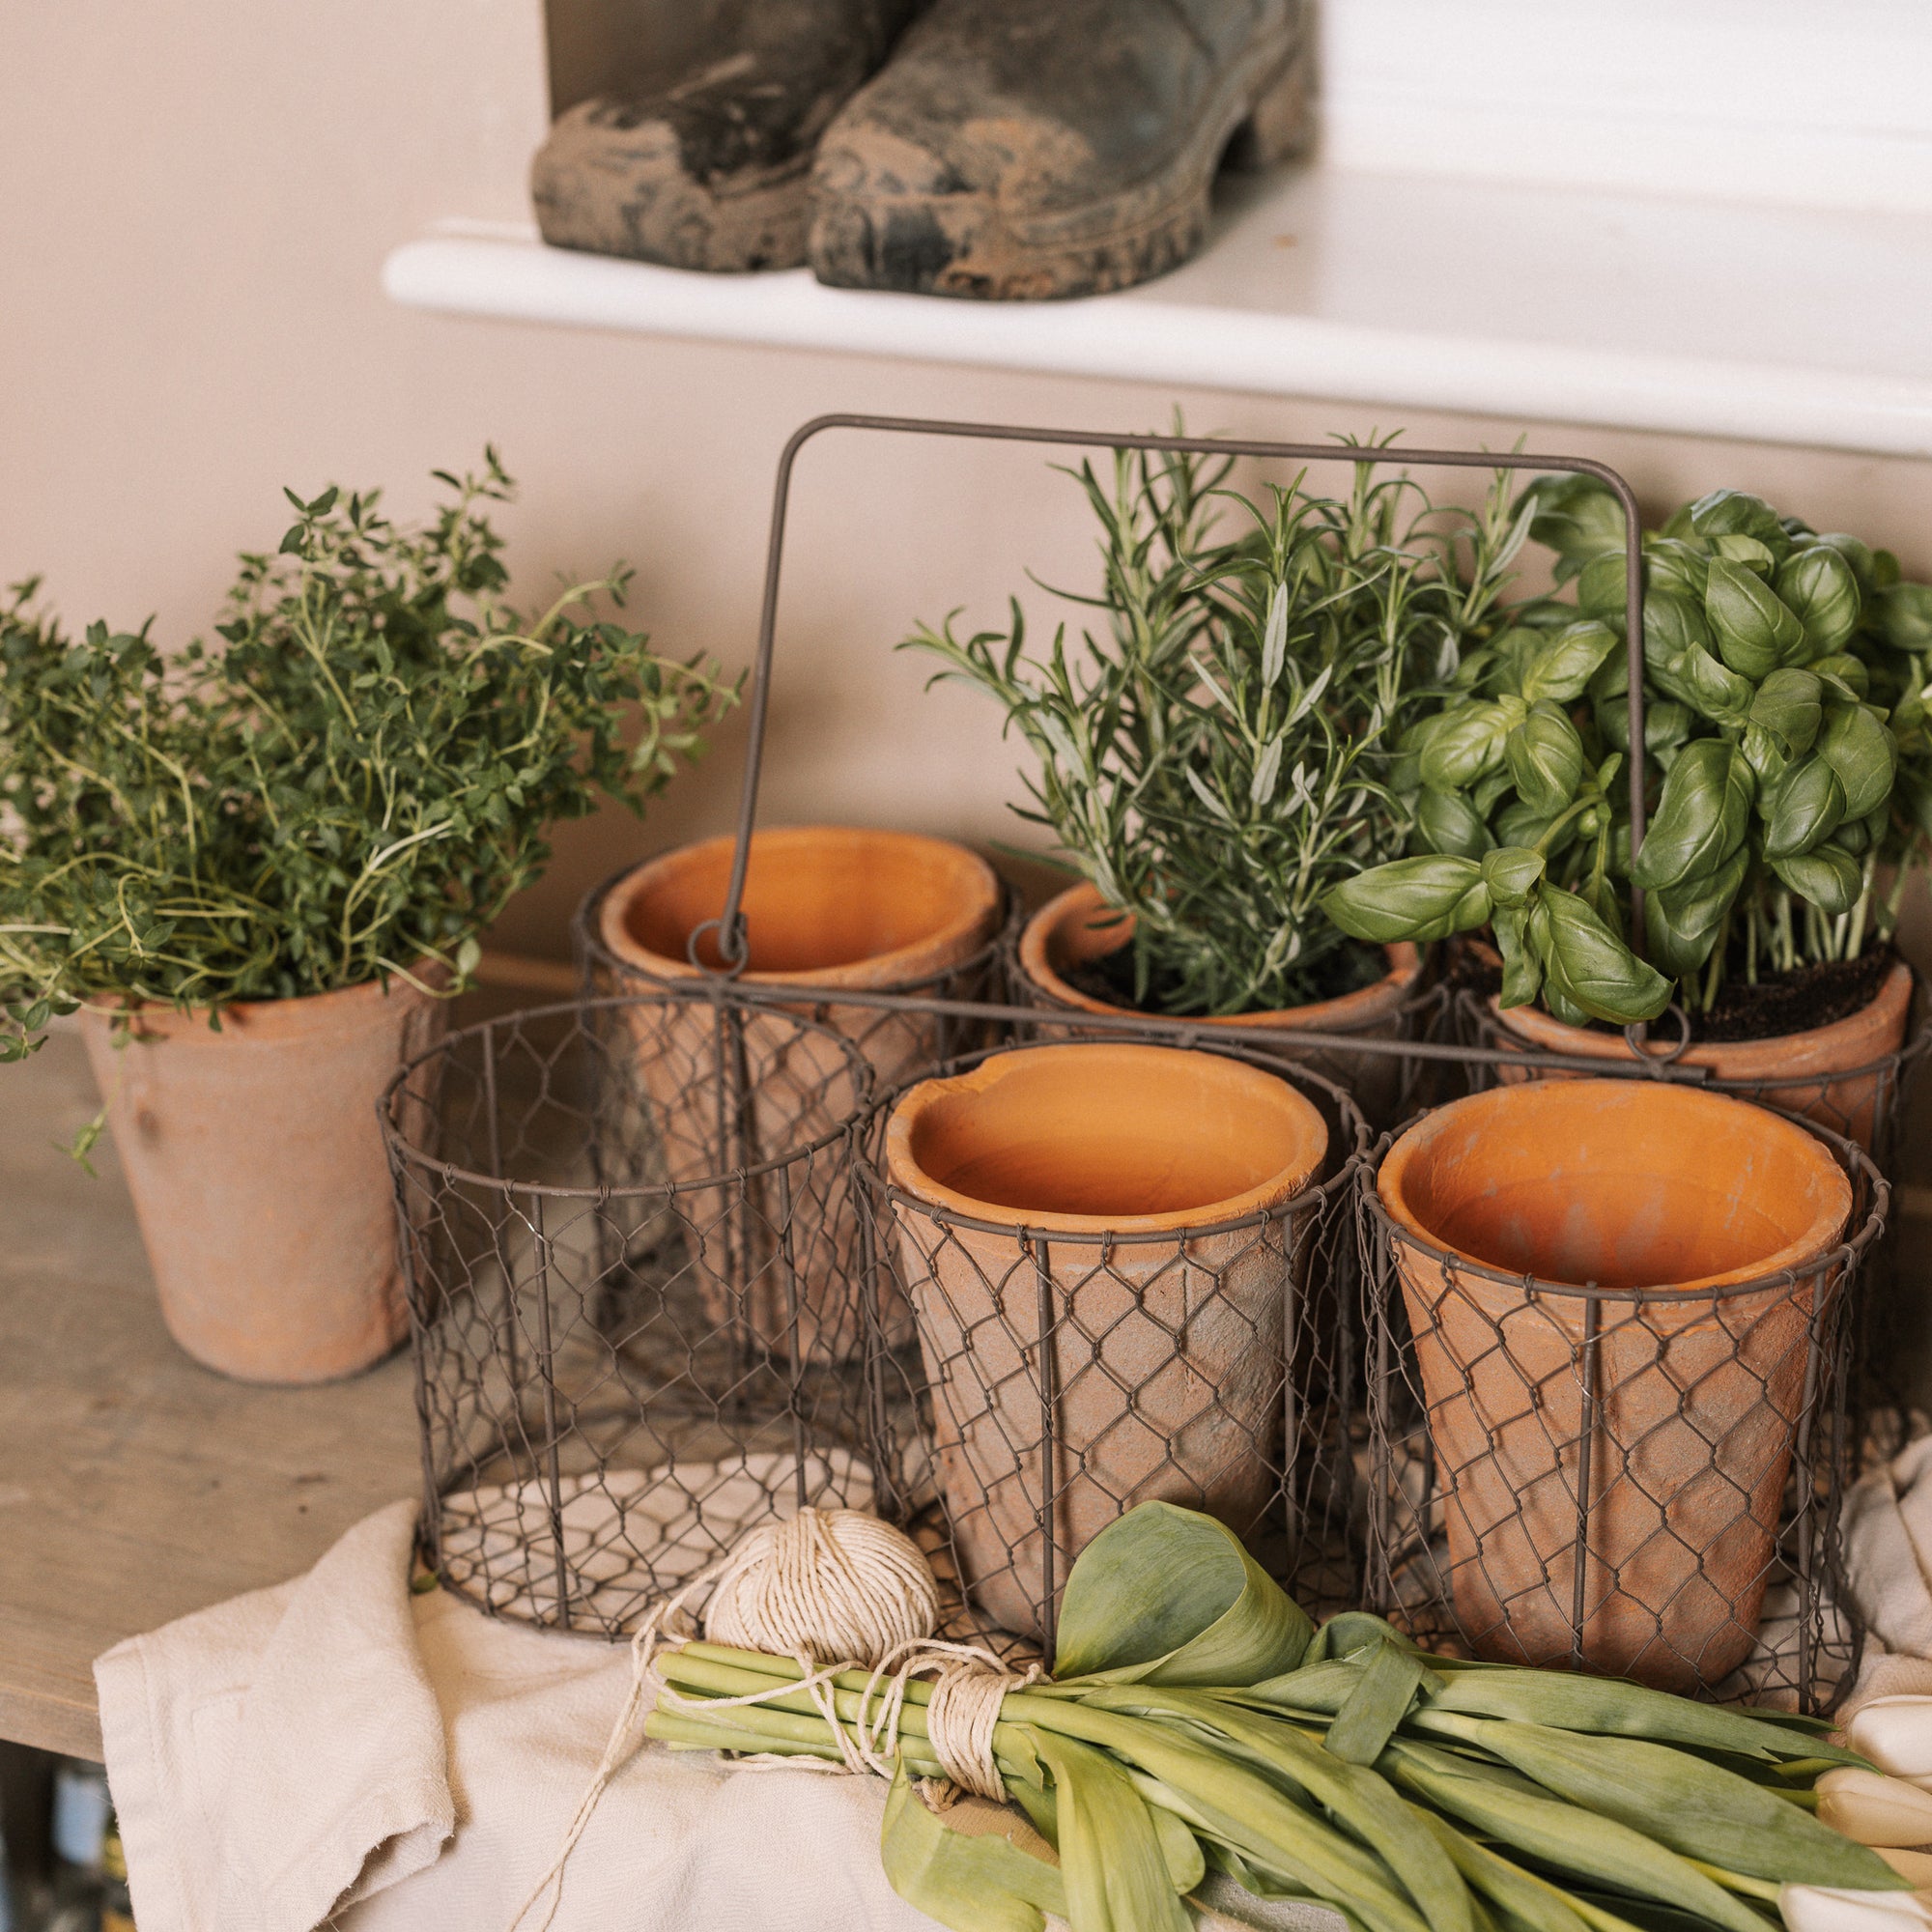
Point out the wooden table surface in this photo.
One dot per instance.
(136, 1486)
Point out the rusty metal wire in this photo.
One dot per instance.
(1621, 1480)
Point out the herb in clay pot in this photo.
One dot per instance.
(276, 855)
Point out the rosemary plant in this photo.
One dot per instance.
(1215, 759)
(1788, 757)
(351, 786)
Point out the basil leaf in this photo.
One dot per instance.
(1684, 921)
(1701, 818)
(1764, 753)
(1463, 746)
(1848, 676)
(1736, 512)
(1818, 584)
(1676, 567)
(1802, 810)
(1445, 821)
(1559, 669)
(1830, 877)
(1789, 706)
(1576, 517)
(1511, 873)
(1858, 747)
(1904, 615)
(1857, 555)
(1746, 550)
(1602, 586)
(1594, 967)
(1523, 970)
(1421, 898)
(1755, 632)
(1545, 760)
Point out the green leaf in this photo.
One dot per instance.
(1575, 516)
(1904, 612)
(1545, 760)
(1685, 921)
(1166, 1595)
(1373, 1709)
(1818, 584)
(1676, 567)
(1602, 586)
(1422, 898)
(1828, 876)
(1701, 818)
(1802, 808)
(1593, 967)
(1860, 751)
(1754, 631)
(1736, 512)
(1446, 821)
(1111, 1859)
(1522, 966)
(1511, 873)
(1558, 668)
(1789, 705)
(976, 1883)
(1699, 1809)
(1462, 745)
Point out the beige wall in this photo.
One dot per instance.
(194, 205)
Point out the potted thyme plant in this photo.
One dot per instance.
(1217, 760)
(1789, 783)
(275, 856)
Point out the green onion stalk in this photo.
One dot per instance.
(1198, 1723)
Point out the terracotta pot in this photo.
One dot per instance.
(1629, 1185)
(1829, 1074)
(1078, 927)
(824, 906)
(1098, 1164)
(258, 1173)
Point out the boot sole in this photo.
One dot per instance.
(971, 247)
(624, 191)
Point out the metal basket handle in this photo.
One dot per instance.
(732, 943)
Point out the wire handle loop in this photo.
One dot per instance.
(735, 947)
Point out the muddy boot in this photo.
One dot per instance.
(1014, 150)
(703, 158)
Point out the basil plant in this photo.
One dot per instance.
(1788, 765)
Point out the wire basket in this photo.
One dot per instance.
(634, 1250)
(1641, 1481)
(1066, 1369)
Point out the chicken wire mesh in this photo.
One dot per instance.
(1064, 1369)
(1641, 1482)
(633, 1242)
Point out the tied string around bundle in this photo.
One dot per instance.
(835, 1590)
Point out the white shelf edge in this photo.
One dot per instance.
(1137, 336)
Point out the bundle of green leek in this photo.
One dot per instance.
(1198, 1723)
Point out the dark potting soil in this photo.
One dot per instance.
(1779, 1003)
(1111, 979)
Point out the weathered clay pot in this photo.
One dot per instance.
(1829, 1073)
(1078, 927)
(258, 1173)
(824, 906)
(1627, 1185)
(1095, 1166)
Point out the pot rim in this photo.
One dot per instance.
(694, 993)
(1545, 1031)
(1786, 1267)
(1270, 1200)
(174, 1020)
(1318, 1015)
(609, 933)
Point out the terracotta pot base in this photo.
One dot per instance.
(1165, 1344)
(257, 1174)
(1697, 1393)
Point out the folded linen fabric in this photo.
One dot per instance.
(339, 1750)
(1888, 1563)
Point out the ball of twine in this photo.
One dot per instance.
(828, 1585)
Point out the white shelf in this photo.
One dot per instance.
(1771, 324)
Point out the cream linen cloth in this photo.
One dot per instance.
(336, 1751)
(1889, 1564)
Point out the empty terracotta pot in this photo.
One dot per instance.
(1829, 1073)
(824, 906)
(1097, 1167)
(1662, 1198)
(1078, 927)
(259, 1177)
